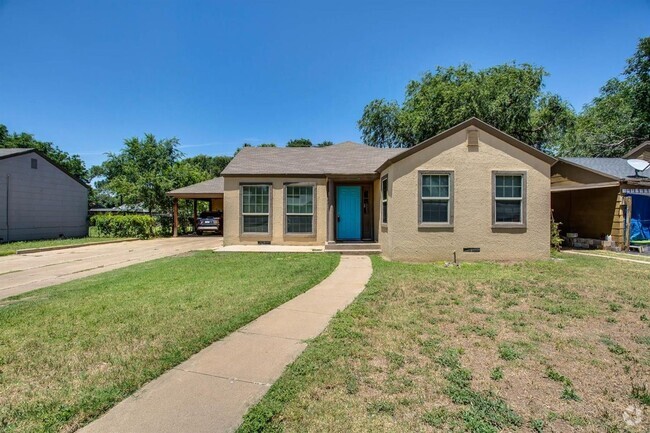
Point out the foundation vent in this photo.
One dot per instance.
(472, 137)
(471, 250)
(263, 242)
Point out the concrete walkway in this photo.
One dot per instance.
(213, 390)
(25, 272)
(625, 259)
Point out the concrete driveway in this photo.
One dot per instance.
(22, 273)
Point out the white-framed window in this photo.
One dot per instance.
(256, 208)
(436, 198)
(384, 200)
(299, 209)
(509, 199)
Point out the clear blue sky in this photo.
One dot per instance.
(87, 74)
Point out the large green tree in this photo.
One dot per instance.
(144, 170)
(511, 97)
(299, 142)
(211, 165)
(619, 117)
(73, 164)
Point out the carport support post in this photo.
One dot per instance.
(175, 221)
(195, 215)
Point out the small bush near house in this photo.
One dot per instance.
(556, 238)
(124, 226)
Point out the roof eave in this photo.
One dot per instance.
(473, 121)
(45, 157)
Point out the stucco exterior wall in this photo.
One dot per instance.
(402, 239)
(41, 203)
(232, 212)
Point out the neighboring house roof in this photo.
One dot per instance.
(132, 208)
(639, 150)
(347, 158)
(212, 186)
(615, 167)
(7, 152)
(15, 151)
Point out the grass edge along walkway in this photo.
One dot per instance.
(212, 391)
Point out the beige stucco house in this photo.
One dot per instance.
(471, 190)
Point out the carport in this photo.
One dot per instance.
(210, 191)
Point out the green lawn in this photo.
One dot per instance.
(70, 352)
(11, 247)
(558, 345)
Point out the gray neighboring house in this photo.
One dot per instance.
(38, 199)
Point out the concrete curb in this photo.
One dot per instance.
(67, 247)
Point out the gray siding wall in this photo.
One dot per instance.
(41, 203)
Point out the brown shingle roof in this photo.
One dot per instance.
(345, 158)
(212, 186)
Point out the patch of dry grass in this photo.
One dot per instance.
(558, 345)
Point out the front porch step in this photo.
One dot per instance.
(353, 252)
(356, 248)
(352, 246)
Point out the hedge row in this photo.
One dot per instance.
(125, 226)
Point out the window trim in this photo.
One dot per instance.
(383, 215)
(269, 232)
(450, 208)
(524, 199)
(313, 210)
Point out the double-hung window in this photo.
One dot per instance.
(436, 198)
(300, 209)
(384, 200)
(255, 208)
(509, 199)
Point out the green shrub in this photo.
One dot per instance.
(124, 226)
(556, 238)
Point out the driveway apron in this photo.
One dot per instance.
(24, 273)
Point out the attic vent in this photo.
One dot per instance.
(34, 163)
(472, 137)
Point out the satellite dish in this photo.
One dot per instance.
(638, 165)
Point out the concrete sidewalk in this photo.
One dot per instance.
(213, 390)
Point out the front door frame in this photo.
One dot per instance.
(360, 210)
(366, 185)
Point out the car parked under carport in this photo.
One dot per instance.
(210, 191)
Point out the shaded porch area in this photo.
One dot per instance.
(209, 192)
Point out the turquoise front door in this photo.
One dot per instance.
(348, 213)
